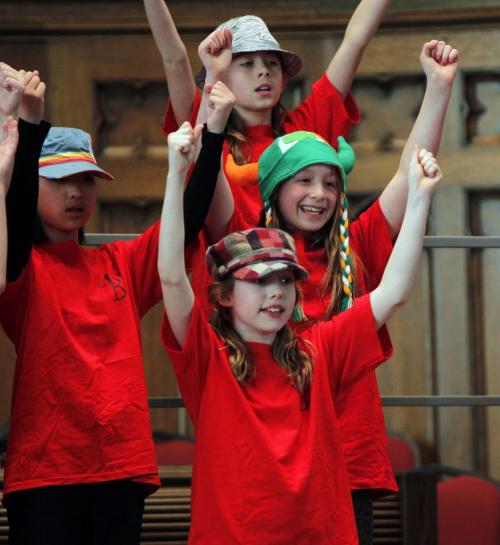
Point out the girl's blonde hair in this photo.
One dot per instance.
(291, 352)
(329, 237)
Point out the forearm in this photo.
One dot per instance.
(22, 197)
(174, 56)
(167, 39)
(200, 189)
(171, 265)
(364, 22)
(427, 130)
(360, 30)
(3, 239)
(399, 275)
(178, 296)
(426, 133)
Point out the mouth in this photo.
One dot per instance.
(274, 310)
(312, 210)
(74, 210)
(265, 88)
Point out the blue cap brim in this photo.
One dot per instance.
(63, 170)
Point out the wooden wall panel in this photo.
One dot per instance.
(489, 215)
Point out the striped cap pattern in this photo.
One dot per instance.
(253, 254)
(250, 34)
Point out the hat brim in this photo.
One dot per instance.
(260, 269)
(63, 170)
(292, 64)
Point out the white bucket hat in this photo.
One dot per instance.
(251, 34)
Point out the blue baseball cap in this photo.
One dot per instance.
(68, 151)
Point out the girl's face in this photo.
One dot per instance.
(260, 309)
(257, 81)
(308, 199)
(65, 205)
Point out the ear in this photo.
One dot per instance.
(225, 300)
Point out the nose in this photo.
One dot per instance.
(275, 289)
(262, 68)
(317, 191)
(74, 189)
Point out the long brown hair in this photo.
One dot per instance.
(235, 133)
(291, 352)
(329, 238)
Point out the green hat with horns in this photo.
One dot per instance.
(287, 156)
(292, 152)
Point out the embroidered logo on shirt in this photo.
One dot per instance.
(116, 284)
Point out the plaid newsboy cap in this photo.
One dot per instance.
(253, 253)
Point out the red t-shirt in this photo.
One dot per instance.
(265, 470)
(359, 408)
(80, 408)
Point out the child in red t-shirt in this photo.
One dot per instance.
(269, 466)
(330, 288)
(80, 441)
(243, 54)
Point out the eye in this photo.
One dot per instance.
(287, 278)
(273, 63)
(331, 183)
(304, 180)
(246, 63)
(89, 180)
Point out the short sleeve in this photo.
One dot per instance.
(142, 258)
(351, 344)
(371, 241)
(324, 112)
(191, 361)
(169, 121)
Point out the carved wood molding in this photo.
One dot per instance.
(199, 17)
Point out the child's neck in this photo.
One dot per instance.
(255, 117)
(56, 236)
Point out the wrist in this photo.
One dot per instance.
(176, 174)
(435, 81)
(213, 76)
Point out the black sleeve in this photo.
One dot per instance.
(201, 184)
(22, 197)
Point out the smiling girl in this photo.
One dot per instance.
(269, 464)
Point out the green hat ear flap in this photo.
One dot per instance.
(346, 155)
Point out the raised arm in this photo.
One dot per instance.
(180, 81)
(7, 152)
(395, 286)
(360, 30)
(22, 198)
(216, 53)
(220, 101)
(439, 62)
(177, 293)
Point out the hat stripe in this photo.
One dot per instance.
(69, 157)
